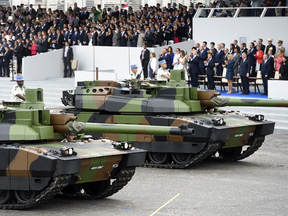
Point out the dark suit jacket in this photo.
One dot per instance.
(102, 39)
(262, 47)
(20, 51)
(124, 12)
(271, 69)
(265, 68)
(202, 58)
(45, 46)
(149, 39)
(146, 56)
(7, 57)
(194, 65)
(210, 67)
(69, 53)
(243, 51)
(75, 38)
(124, 39)
(251, 57)
(167, 58)
(159, 37)
(59, 45)
(94, 39)
(284, 71)
(218, 57)
(273, 49)
(244, 68)
(135, 39)
(169, 34)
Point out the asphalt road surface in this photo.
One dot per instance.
(255, 186)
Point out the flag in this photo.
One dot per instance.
(125, 7)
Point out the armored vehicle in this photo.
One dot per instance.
(39, 157)
(233, 135)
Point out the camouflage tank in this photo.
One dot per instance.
(233, 135)
(38, 161)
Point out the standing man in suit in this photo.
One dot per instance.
(102, 37)
(243, 48)
(123, 38)
(140, 41)
(218, 60)
(7, 58)
(149, 37)
(75, 36)
(270, 46)
(202, 58)
(158, 35)
(252, 59)
(271, 63)
(193, 61)
(94, 38)
(168, 31)
(165, 56)
(144, 58)
(67, 59)
(244, 72)
(205, 48)
(210, 64)
(224, 58)
(20, 54)
(59, 40)
(116, 39)
(135, 37)
(2, 51)
(237, 59)
(265, 73)
(260, 43)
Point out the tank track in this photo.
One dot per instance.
(254, 146)
(48, 193)
(210, 149)
(123, 177)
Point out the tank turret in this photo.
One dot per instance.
(233, 134)
(44, 153)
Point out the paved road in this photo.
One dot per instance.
(255, 186)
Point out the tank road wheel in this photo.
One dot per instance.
(71, 189)
(5, 196)
(24, 196)
(157, 157)
(181, 158)
(94, 188)
(230, 153)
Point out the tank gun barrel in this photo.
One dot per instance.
(64, 123)
(221, 102)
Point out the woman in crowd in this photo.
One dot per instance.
(175, 61)
(283, 71)
(104, 14)
(182, 63)
(33, 48)
(109, 36)
(278, 60)
(152, 66)
(177, 33)
(170, 52)
(91, 15)
(90, 36)
(229, 73)
(232, 46)
(259, 57)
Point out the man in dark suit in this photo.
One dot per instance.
(251, 58)
(75, 37)
(102, 37)
(244, 72)
(243, 48)
(265, 73)
(193, 62)
(168, 31)
(202, 58)
(95, 37)
(2, 51)
(210, 64)
(158, 35)
(59, 40)
(123, 38)
(260, 43)
(165, 56)
(67, 59)
(115, 13)
(20, 54)
(45, 44)
(123, 11)
(144, 58)
(218, 60)
(149, 37)
(135, 37)
(7, 58)
(81, 34)
(271, 63)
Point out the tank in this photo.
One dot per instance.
(39, 157)
(227, 135)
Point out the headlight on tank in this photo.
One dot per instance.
(66, 151)
(218, 121)
(123, 145)
(258, 118)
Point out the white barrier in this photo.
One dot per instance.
(277, 89)
(117, 59)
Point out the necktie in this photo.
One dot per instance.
(143, 54)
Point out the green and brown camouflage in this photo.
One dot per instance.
(172, 104)
(37, 161)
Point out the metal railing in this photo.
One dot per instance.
(232, 12)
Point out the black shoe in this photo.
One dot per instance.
(263, 94)
(242, 93)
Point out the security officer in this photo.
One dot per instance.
(18, 91)
(163, 73)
